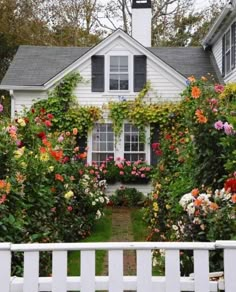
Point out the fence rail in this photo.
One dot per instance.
(116, 281)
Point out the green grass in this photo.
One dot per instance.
(140, 229)
(100, 233)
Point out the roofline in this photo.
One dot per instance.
(208, 38)
(181, 78)
(25, 87)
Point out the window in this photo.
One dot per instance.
(102, 142)
(119, 73)
(228, 50)
(134, 149)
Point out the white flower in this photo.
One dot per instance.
(185, 200)
(174, 227)
(93, 203)
(102, 200)
(191, 209)
(98, 214)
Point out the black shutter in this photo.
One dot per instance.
(154, 139)
(140, 72)
(233, 31)
(82, 143)
(97, 73)
(223, 56)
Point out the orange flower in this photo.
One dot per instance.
(196, 92)
(59, 177)
(2, 184)
(47, 143)
(214, 206)
(83, 155)
(198, 202)
(195, 192)
(234, 198)
(57, 154)
(42, 150)
(75, 131)
(200, 117)
(191, 78)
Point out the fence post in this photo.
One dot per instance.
(5, 266)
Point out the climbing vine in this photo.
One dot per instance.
(68, 114)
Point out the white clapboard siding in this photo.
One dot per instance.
(116, 282)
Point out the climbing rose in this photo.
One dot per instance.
(219, 88)
(228, 128)
(219, 125)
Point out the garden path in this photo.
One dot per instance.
(122, 231)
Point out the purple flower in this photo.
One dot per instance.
(219, 125)
(228, 128)
(1, 107)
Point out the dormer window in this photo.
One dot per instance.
(119, 73)
(228, 50)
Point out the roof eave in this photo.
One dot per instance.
(15, 87)
(208, 40)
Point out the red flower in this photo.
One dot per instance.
(155, 146)
(69, 208)
(59, 177)
(65, 159)
(57, 154)
(42, 111)
(42, 135)
(48, 123)
(230, 185)
(167, 136)
(50, 116)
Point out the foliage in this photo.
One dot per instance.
(127, 197)
(66, 111)
(122, 170)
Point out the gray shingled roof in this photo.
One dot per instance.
(187, 60)
(35, 65)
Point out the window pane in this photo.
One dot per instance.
(127, 137)
(228, 62)
(127, 146)
(110, 147)
(110, 137)
(123, 64)
(114, 64)
(114, 82)
(141, 147)
(124, 82)
(227, 41)
(135, 137)
(127, 127)
(135, 147)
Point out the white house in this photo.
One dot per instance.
(221, 40)
(118, 67)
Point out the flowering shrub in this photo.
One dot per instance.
(44, 194)
(127, 197)
(122, 170)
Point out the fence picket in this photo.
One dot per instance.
(31, 271)
(5, 268)
(229, 269)
(115, 271)
(144, 270)
(172, 270)
(201, 271)
(87, 271)
(59, 271)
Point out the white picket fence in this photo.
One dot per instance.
(143, 281)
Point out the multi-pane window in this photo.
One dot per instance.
(228, 50)
(134, 149)
(102, 142)
(119, 73)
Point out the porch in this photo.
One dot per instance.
(116, 281)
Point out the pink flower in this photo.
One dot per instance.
(133, 172)
(60, 139)
(105, 171)
(228, 128)
(53, 209)
(69, 208)
(219, 88)
(3, 199)
(143, 175)
(91, 171)
(48, 123)
(219, 125)
(120, 166)
(1, 108)
(122, 173)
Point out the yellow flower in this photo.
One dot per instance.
(23, 165)
(21, 122)
(51, 168)
(44, 156)
(69, 195)
(155, 206)
(18, 153)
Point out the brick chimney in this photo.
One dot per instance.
(142, 21)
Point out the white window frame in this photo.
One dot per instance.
(119, 146)
(130, 71)
(228, 52)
